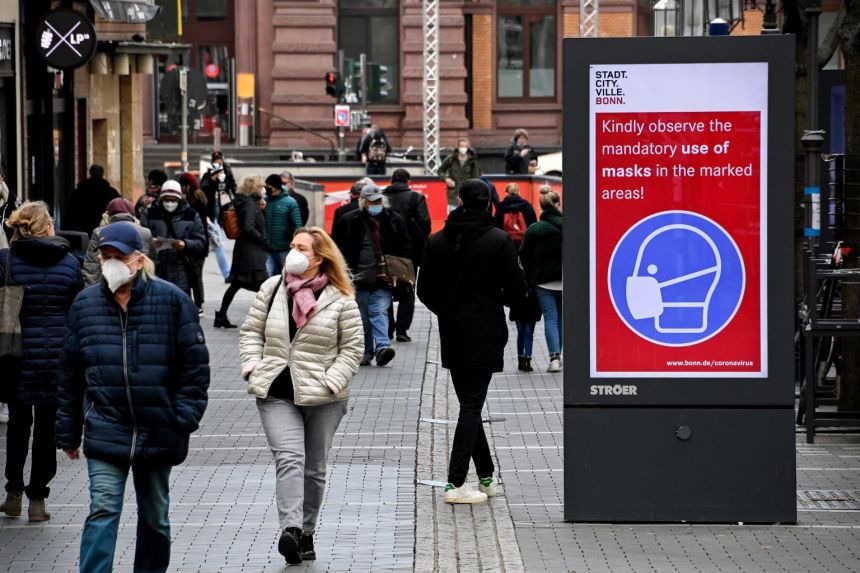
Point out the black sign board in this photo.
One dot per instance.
(65, 39)
(7, 51)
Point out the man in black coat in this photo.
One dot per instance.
(469, 274)
(354, 192)
(89, 200)
(288, 184)
(412, 207)
(364, 236)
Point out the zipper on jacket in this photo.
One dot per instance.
(90, 409)
(123, 319)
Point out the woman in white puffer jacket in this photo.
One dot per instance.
(300, 346)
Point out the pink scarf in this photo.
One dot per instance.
(302, 292)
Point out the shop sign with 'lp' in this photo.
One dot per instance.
(65, 39)
(678, 213)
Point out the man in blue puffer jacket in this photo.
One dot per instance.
(134, 381)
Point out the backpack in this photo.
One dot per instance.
(376, 152)
(514, 224)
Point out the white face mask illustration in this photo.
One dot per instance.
(644, 293)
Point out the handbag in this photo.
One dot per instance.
(230, 222)
(11, 299)
(398, 273)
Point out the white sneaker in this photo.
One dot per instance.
(554, 365)
(463, 494)
(487, 486)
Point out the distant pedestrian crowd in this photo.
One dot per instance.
(106, 356)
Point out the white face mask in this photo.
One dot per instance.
(296, 263)
(170, 206)
(116, 273)
(463, 150)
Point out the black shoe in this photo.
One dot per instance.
(384, 356)
(221, 320)
(527, 364)
(519, 363)
(306, 548)
(364, 362)
(403, 337)
(288, 545)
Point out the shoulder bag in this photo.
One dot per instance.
(11, 299)
(398, 273)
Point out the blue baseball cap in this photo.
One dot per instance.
(122, 236)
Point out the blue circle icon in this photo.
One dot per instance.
(676, 278)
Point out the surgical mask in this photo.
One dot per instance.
(296, 263)
(463, 150)
(116, 273)
(285, 188)
(374, 210)
(170, 206)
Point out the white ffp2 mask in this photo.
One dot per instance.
(296, 263)
(116, 273)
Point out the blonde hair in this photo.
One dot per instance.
(512, 189)
(148, 266)
(32, 219)
(549, 199)
(333, 263)
(250, 185)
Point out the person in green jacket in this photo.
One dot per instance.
(540, 255)
(283, 217)
(461, 165)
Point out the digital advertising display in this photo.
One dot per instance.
(678, 220)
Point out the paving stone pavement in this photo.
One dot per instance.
(375, 517)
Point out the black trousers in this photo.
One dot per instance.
(405, 312)
(44, 459)
(470, 441)
(195, 276)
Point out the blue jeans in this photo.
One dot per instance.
(220, 251)
(525, 338)
(373, 305)
(107, 488)
(275, 262)
(550, 306)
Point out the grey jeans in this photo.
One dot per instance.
(300, 438)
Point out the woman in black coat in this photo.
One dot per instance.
(40, 262)
(251, 250)
(520, 155)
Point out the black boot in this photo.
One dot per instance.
(306, 548)
(221, 320)
(519, 362)
(288, 545)
(527, 364)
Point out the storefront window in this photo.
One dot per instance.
(372, 27)
(211, 10)
(527, 44)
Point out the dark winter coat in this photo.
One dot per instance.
(302, 201)
(250, 251)
(92, 269)
(512, 204)
(282, 220)
(515, 163)
(459, 172)
(470, 272)
(343, 210)
(135, 382)
(51, 278)
(183, 224)
(540, 252)
(352, 228)
(375, 137)
(212, 188)
(89, 201)
(412, 206)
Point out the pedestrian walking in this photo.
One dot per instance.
(219, 186)
(520, 159)
(288, 184)
(133, 382)
(461, 165)
(541, 254)
(514, 215)
(412, 206)
(40, 262)
(197, 200)
(364, 237)
(469, 273)
(283, 218)
(89, 200)
(354, 192)
(154, 181)
(178, 234)
(117, 210)
(374, 151)
(250, 252)
(300, 346)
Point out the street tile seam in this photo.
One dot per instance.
(480, 538)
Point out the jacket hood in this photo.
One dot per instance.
(123, 217)
(512, 202)
(398, 187)
(552, 215)
(466, 225)
(42, 249)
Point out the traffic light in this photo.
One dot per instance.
(378, 84)
(333, 84)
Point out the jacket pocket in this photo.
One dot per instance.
(267, 369)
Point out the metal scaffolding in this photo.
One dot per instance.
(588, 12)
(431, 85)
